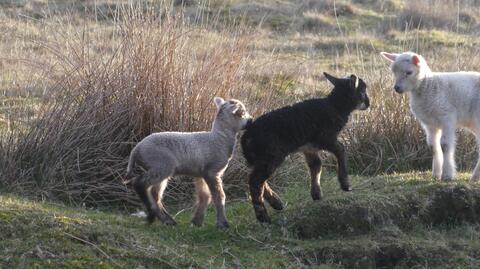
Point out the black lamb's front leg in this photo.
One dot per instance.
(338, 150)
(315, 166)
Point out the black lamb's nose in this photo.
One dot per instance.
(367, 103)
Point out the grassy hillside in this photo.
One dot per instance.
(402, 220)
(82, 81)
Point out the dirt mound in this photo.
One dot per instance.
(359, 214)
(387, 252)
(454, 204)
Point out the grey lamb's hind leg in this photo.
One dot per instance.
(203, 200)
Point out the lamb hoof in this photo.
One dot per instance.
(197, 223)
(276, 204)
(447, 178)
(150, 218)
(264, 218)
(346, 188)
(316, 196)
(170, 222)
(223, 225)
(165, 218)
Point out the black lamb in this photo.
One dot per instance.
(307, 127)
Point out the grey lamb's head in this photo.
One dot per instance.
(232, 114)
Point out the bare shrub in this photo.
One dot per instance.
(152, 73)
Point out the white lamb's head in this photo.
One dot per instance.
(232, 114)
(408, 68)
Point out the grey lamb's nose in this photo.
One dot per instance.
(397, 88)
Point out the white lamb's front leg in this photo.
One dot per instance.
(433, 140)
(448, 147)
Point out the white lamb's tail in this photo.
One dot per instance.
(131, 163)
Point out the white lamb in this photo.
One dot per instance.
(442, 102)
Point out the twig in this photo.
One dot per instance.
(95, 246)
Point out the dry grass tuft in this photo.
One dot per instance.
(448, 15)
(153, 73)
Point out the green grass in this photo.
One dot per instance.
(388, 221)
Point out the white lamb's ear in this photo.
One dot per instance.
(389, 56)
(415, 59)
(218, 101)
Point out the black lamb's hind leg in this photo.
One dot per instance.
(339, 151)
(256, 182)
(272, 197)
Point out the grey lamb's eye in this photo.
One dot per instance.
(408, 73)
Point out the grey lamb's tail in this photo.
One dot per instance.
(131, 163)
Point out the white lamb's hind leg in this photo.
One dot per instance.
(448, 147)
(433, 140)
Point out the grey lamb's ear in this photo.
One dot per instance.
(331, 78)
(218, 101)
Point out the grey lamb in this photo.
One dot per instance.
(203, 155)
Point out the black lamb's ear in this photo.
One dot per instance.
(354, 81)
(331, 78)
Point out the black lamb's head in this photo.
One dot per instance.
(352, 90)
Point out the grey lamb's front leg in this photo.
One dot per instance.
(218, 196)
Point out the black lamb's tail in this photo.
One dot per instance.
(248, 147)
